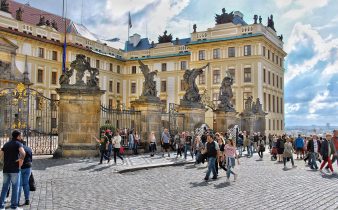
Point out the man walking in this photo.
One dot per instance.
(165, 139)
(14, 154)
(326, 150)
(334, 142)
(313, 147)
(212, 150)
(299, 145)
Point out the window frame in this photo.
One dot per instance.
(246, 72)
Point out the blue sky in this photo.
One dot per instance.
(309, 27)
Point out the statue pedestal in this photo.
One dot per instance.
(150, 118)
(193, 117)
(225, 120)
(79, 120)
(248, 122)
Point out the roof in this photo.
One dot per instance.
(31, 15)
(238, 20)
(226, 38)
(144, 44)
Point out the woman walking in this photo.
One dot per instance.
(117, 146)
(26, 170)
(288, 152)
(230, 155)
(152, 143)
(220, 159)
(280, 148)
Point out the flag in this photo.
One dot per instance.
(129, 21)
(64, 55)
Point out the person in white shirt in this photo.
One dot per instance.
(117, 146)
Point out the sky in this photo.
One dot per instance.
(309, 28)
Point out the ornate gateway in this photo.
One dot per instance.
(27, 110)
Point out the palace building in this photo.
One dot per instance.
(252, 53)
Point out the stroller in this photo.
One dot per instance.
(274, 153)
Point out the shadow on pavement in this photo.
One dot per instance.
(190, 167)
(43, 164)
(88, 168)
(221, 185)
(101, 169)
(328, 176)
(198, 184)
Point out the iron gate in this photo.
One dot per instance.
(176, 120)
(36, 116)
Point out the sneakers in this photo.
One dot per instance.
(214, 178)
(27, 202)
(206, 178)
(285, 168)
(235, 177)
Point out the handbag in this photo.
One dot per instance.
(121, 150)
(32, 184)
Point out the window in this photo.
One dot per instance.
(264, 75)
(269, 124)
(97, 64)
(269, 100)
(269, 80)
(110, 67)
(53, 122)
(201, 79)
(182, 85)
(118, 87)
(273, 123)
(164, 66)
(273, 57)
(268, 54)
(281, 125)
(40, 75)
(54, 55)
(118, 69)
(217, 53)
(41, 52)
(263, 51)
(233, 74)
(54, 78)
(133, 88)
(277, 104)
(280, 62)
(133, 69)
(201, 55)
(281, 105)
(281, 83)
(183, 65)
(247, 74)
(273, 79)
(247, 50)
(264, 98)
(88, 60)
(110, 86)
(216, 76)
(273, 104)
(215, 96)
(246, 95)
(53, 97)
(231, 52)
(277, 85)
(277, 124)
(277, 59)
(163, 86)
(110, 103)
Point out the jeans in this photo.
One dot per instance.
(240, 150)
(25, 174)
(284, 160)
(229, 171)
(186, 147)
(211, 167)
(103, 155)
(152, 148)
(131, 145)
(110, 150)
(250, 151)
(9, 178)
(117, 153)
(313, 162)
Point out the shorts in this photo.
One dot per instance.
(166, 145)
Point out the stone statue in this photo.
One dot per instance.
(271, 23)
(152, 44)
(191, 89)
(80, 65)
(4, 6)
(65, 77)
(225, 94)
(165, 38)
(258, 109)
(54, 25)
(194, 27)
(149, 85)
(19, 14)
(255, 19)
(93, 81)
(47, 23)
(224, 17)
(260, 19)
(42, 21)
(281, 37)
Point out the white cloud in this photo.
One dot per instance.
(290, 108)
(301, 8)
(283, 3)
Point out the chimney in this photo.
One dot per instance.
(135, 39)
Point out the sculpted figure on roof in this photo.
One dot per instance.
(224, 17)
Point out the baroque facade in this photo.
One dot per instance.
(252, 53)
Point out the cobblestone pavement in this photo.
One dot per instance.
(83, 184)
